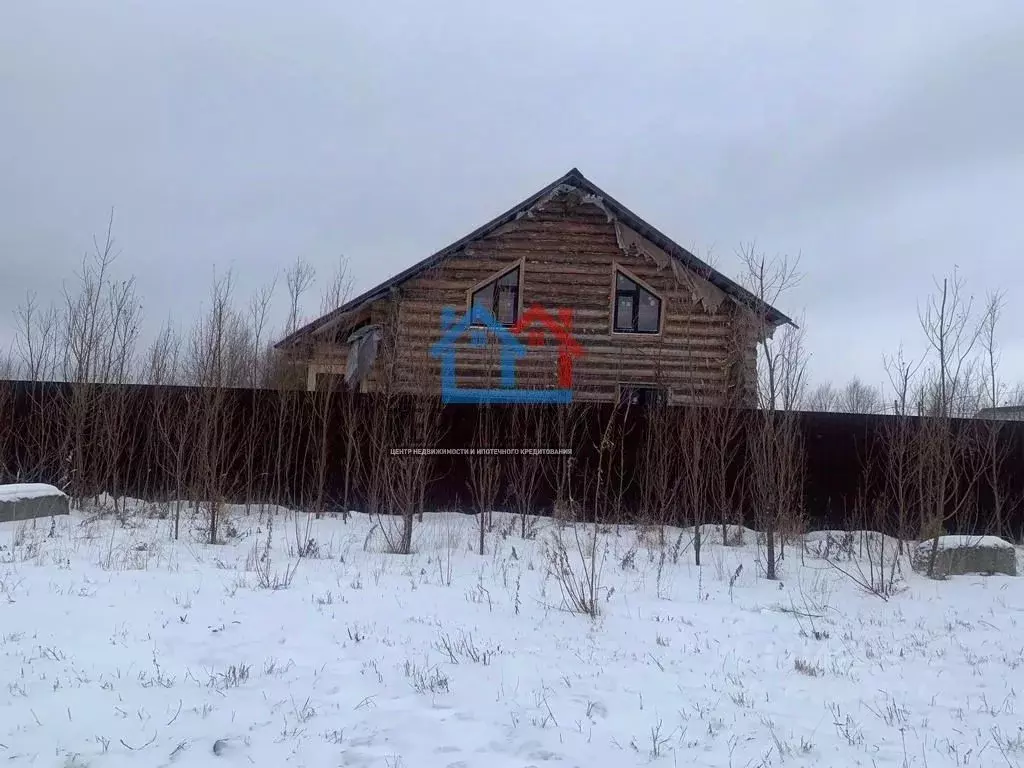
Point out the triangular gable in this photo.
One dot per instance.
(708, 285)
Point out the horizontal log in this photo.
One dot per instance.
(682, 353)
(583, 308)
(582, 374)
(426, 329)
(541, 284)
(617, 359)
(548, 242)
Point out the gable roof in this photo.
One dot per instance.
(572, 179)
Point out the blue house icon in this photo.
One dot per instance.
(478, 323)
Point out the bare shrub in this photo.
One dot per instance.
(878, 570)
(266, 576)
(808, 668)
(576, 561)
(235, 676)
(425, 679)
(303, 544)
(464, 648)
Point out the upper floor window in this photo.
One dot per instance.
(637, 310)
(500, 297)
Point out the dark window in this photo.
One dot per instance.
(641, 396)
(637, 310)
(501, 297)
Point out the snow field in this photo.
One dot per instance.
(122, 647)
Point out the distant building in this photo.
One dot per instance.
(1002, 413)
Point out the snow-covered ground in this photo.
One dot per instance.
(120, 647)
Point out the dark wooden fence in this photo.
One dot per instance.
(298, 448)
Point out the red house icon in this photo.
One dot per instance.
(532, 324)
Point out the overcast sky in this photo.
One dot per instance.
(884, 142)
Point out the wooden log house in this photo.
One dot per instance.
(652, 320)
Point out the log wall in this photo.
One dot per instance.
(568, 252)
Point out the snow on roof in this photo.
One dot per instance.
(22, 491)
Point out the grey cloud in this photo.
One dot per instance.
(246, 134)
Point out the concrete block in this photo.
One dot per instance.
(27, 501)
(959, 555)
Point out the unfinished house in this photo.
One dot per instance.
(568, 290)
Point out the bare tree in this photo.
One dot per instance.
(789, 369)
(725, 426)
(256, 428)
(524, 469)
(775, 469)
(943, 447)
(82, 330)
(388, 475)
(485, 468)
(774, 475)
(117, 363)
(1015, 394)
(823, 398)
(898, 435)
(162, 364)
(44, 421)
(858, 397)
(9, 367)
(697, 454)
(564, 431)
(351, 414)
(177, 426)
(412, 471)
(660, 470)
(36, 340)
(298, 279)
(952, 334)
(769, 280)
(212, 359)
(325, 397)
(338, 290)
(7, 416)
(994, 448)
(98, 331)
